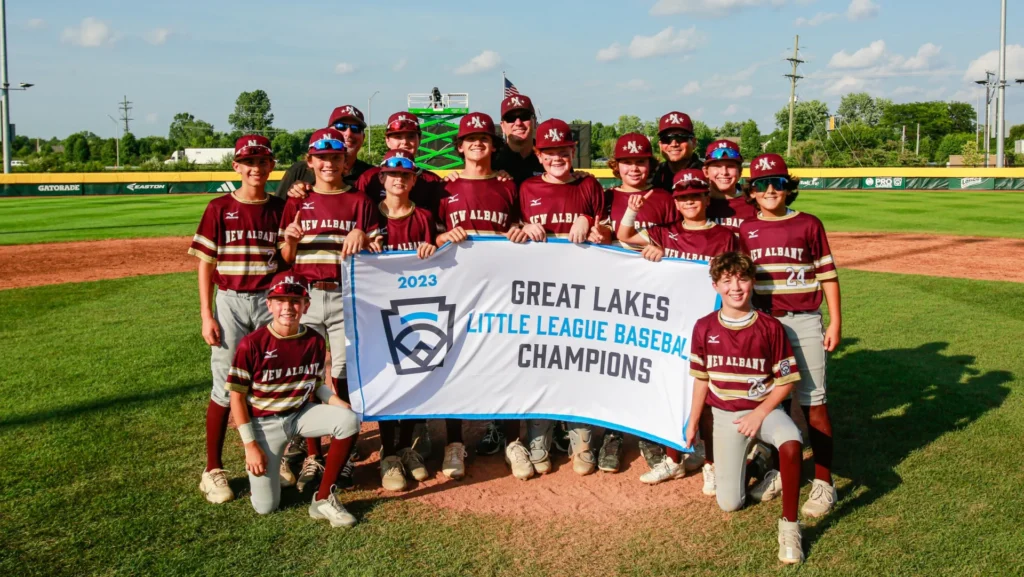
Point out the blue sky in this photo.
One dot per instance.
(716, 59)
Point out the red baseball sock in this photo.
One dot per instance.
(789, 467)
(337, 456)
(820, 427)
(453, 430)
(313, 447)
(675, 454)
(216, 429)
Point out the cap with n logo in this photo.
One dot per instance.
(516, 102)
(475, 123)
(554, 133)
(632, 145)
(678, 121)
(288, 284)
(252, 145)
(768, 165)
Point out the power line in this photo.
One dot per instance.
(125, 108)
(793, 77)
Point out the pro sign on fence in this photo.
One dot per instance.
(492, 329)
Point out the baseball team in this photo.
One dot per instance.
(275, 262)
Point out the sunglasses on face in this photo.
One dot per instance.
(779, 183)
(677, 137)
(328, 144)
(521, 116)
(725, 153)
(399, 162)
(354, 128)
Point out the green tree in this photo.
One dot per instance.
(1016, 133)
(862, 107)
(808, 118)
(704, 136)
(951, 144)
(286, 147)
(76, 148)
(188, 131)
(961, 117)
(629, 123)
(971, 155)
(109, 152)
(252, 113)
(750, 139)
(730, 129)
(129, 149)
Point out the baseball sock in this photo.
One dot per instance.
(510, 428)
(453, 430)
(820, 427)
(314, 448)
(405, 430)
(675, 454)
(707, 429)
(789, 461)
(216, 430)
(387, 438)
(337, 456)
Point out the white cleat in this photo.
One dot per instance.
(769, 488)
(518, 457)
(331, 510)
(821, 500)
(214, 486)
(791, 547)
(710, 486)
(454, 464)
(665, 470)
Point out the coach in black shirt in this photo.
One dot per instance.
(515, 156)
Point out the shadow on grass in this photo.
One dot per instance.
(118, 402)
(886, 404)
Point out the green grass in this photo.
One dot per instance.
(36, 220)
(101, 441)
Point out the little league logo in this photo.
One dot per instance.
(419, 333)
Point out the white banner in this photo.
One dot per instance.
(490, 329)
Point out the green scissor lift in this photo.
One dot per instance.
(439, 120)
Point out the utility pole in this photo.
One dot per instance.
(125, 108)
(903, 139)
(917, 148)
(1001, 104)
(5, 109)
(795, 60)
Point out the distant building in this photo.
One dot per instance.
(201, 155)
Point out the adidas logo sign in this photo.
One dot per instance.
(227, 187)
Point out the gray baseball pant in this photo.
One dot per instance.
(238, 314)
(731, 448)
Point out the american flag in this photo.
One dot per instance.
(510, 89)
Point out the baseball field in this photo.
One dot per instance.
(106, 378)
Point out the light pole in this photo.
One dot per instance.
(369, 123)
(989, 93)
(1001, 104)
(117, 143)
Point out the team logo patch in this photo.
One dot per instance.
(231, 216)
(555, 135)
(784, 368)
(535, 202)
(270, 355)
(474, 121)
(633, 147)
(307, 206)
(674, 119)
(765, 164)
(713, 339)
(419, 333)
(516, 101)
(453, 198)
(752, 234)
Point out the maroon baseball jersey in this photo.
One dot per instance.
(240, 237)
(742, 362)
(792, 257)
(704, 243)
(409, 231)
(731, 212)
(664, 175)
(480, 206)
(277, 374)
(326, 219)
(555, 206)
(425, 193)
(658, 210)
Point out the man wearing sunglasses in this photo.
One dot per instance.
(348, 120)
(677, 143)
(723, 164)
(516, 157)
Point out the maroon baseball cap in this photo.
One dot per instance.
(326, 141)
(476, 123)
(252, 145)
(516, 102)
(678, 121)
(288, 284)
(347, 113)
(398, 161)
(723, 150)
(689, 181)
(403, 122)
(768, 165)
(554, 133)
(632, 145)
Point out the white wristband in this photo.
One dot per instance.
(629, 218)
(245, 431)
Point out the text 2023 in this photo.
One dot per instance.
(413, 281)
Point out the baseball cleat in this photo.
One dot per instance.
(492, 441)
(518, 458)
(296, 449)
(581, 455)
(392, 475)
(821, 500)
(346, 478)
(287, 477)
(710, 487)
(653, 453)
(663, 471)
(540, 432)
(413, 463)
(454, 464)
(331, 510)
(312, 468)
(759, 461)
(214, 486)
(611, 452)
(421, 440)
(791, 547)
(695, 460)
(769, 488)
(560, 438)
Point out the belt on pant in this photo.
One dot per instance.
(325, 285)
(780, 313)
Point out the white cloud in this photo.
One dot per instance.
(692, 87)
(36, 23)
(486, 60)
(816, 20)
(400, 65)
(613, 52)
(846, 84)
(862, 58)
(861, 10)
(741, 91)
(906, 90)
(699, 112)
(90, 33)
(706, 7)
(152, 118)
(157, 36)
(668, 41)
(635, 85)
(344, 68)
(990, 61)
(731, 110)
(926, 55)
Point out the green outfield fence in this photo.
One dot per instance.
(93, 184)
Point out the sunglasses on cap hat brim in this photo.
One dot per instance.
(779, 183)
(327, 146)
(285, 290)
(725, 154)
(398, 164)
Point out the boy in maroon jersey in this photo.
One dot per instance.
(316, 234)
(794, 269)
(565, 204)
(277, 370)
(743, 367)
(407, 227)
(722, 167)
(236, 244)
(403, 133)
(479, 203)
